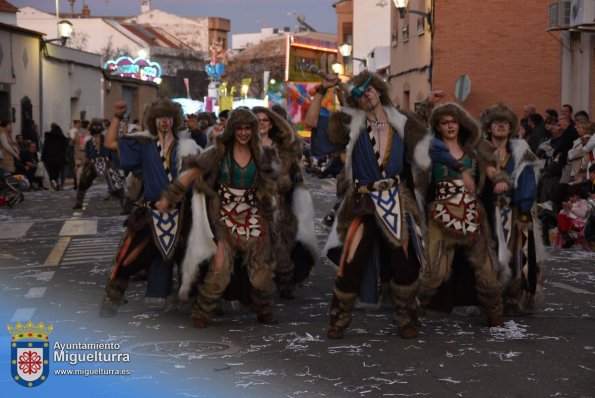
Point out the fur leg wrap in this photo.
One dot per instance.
(211, 289)
(262, 282)
(115, 289)
(80, 196)
(404, 298)
(341, 306)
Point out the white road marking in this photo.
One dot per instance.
(22, 315)
(14, 230)
(79, 227)
(45, 276)
(570, 288)
(35, 292)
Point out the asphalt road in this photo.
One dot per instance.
(54, 262)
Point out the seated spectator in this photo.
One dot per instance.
(581, 116)
(29, 162)
(573, 216)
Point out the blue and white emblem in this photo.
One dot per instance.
(388, 208)
(30, 353)
(165, 229)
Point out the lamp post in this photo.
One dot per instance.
(345, 49)
(403, 8)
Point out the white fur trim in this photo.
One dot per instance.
(357, 125)
(421, 154)
(518, 149)
(201, 245)
(144, 134)
(187, 147)
(303, 208)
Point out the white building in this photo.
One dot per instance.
(371, 34)
(241, 41)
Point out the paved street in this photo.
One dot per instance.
(54, 262)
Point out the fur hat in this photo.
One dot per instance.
(96, 122)
(236, 117)
(164, 108)
(498, 113)
(376, 82)
(469, 132)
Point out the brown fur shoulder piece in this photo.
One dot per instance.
(164, 108)
(498, 113)
(338, 128)
(469, 132)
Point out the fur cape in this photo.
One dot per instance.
(289, 149)
(203, 246)
(523, 157)
(345, 127)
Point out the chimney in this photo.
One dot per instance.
(145, 6)
(86, 13)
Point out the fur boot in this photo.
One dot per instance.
(341, 306)
(113, 297)
(406, 308)
(80, 196)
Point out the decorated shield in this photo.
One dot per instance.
(30, 353)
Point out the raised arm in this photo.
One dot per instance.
(111, 138)
(311, 117)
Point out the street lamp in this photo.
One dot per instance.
(65, 30)
(345, 49)
(402, 7)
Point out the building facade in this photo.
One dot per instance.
(502, 47)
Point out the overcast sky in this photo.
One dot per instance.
(247, 16)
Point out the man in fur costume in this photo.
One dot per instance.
(97, 163)
(515, 221)
(379, 222)
(152, 237)
(236, 175)
(456, 218)
(296, 248)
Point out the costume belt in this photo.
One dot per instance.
(379, 185)
(385, 195)
(239, 211)
(456, 209)
(100, 164)
(165, 227)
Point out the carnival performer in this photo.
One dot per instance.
(379, 222)
(295, 245)
(98, 163)
(236, 175)
(152, 237)
(516, 224)
(456, 219)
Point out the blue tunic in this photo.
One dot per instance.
(365, 165)
(91, 151)
(525, 192)
(135, 155)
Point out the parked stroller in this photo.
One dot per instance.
(10, 189)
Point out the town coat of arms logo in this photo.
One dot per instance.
(30, 353)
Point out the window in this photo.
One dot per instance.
(421, 25)
(405, 33)
(394, 38)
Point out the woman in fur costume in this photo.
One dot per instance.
(152, 237)
(515, 221)
(379, 222)
(456, 218)
(296, 248)
(98, 162)
(236, 175)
